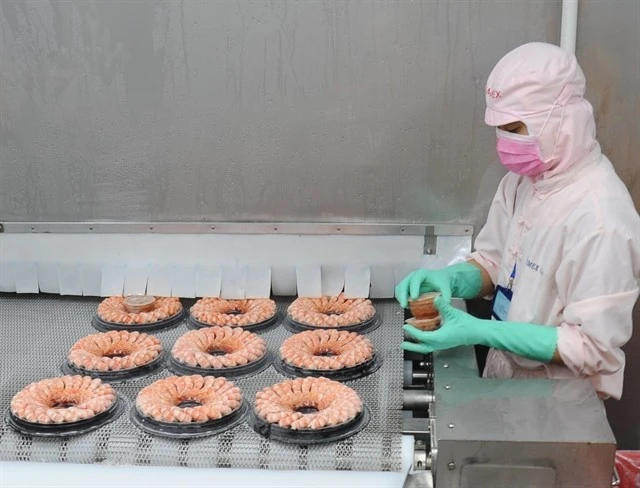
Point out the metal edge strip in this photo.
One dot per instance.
(284, 228)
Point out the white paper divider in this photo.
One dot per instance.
(283, 281)
(382, 281)
(309, 281)
(357, 281)
(91, 279)
(208, 281)
(70, 279)
(294, 260)
(234, 281)
(183, 282)
(7, 283)
(159, 280)
(332, 280)
(258, 281)
(112, 280)
(25, 275)
(135, 279)
(48, 281)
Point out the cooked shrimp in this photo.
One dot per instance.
(282, 403)
(62, 400)
(331, 312)
(326, 350)
(233, 313)
(114, 351)
(237, 347)
(216, 397)
(113, 310)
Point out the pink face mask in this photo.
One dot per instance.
(519, 154)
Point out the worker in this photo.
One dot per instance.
(560, 252)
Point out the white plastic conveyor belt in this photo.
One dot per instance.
(59, 475)
(37, 331)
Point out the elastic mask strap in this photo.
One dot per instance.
(558, 132)
(555, 104)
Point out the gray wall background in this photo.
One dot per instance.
(268, 110)
(609, 50)
(275, 110)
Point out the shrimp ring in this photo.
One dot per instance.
(307, 403)
(326, 349)
(63, 400)
(115, 350)
(197, 348)
(188, 399)
(233, 313)
(331, 311)
(116, 311)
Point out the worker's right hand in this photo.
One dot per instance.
(462, 280)
(423, 281)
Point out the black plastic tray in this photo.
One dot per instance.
(248, 369)
(168, 323)
(69, 429)
(176, 430)
(345, 374)
(258, 327)
(120, 376)
(363, 327)
(309, 436)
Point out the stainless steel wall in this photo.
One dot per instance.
(608, 48)
(609, 52)
(229, 110)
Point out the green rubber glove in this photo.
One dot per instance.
(462, 280)
(536, 342)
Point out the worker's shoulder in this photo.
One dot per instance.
(510, 185)
(600, 203)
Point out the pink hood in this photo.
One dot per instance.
(543, 86)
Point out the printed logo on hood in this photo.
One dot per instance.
(495, 94)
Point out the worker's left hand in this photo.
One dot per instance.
(532, 341)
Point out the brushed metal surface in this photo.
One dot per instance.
(265, 110)
(522, 425)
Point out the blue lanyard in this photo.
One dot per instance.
(512, 277)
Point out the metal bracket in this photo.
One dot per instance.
(430, 240)
(417, 427)
(428, 230)
(419, 479)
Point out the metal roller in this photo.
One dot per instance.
(417, 376)
(417, 399)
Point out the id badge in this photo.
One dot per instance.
(501, 303)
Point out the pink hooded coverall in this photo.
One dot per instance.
(573, 231)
